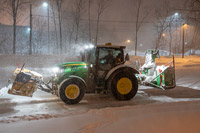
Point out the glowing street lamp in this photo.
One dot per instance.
(183, 43)
(28, 29)
(45, 4)
(88, 46)
(163, 34)
(184, 25)
(128, 41)
(176, 14)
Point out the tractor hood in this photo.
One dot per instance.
(65, 70)
(73, 64)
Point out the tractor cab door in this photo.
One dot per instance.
(91, 59)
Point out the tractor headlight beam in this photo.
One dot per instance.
(56, 69)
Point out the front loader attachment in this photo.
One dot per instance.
(25, 83)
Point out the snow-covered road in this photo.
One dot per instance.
(152, 110)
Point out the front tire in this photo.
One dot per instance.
(123, 84)
(72, 91)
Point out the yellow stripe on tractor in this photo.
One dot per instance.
(75, 65)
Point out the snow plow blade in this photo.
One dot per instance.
(25, 82)
(23, 85)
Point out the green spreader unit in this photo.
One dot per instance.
(166, 78)
(158, 76)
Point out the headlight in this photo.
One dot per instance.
(56, 69)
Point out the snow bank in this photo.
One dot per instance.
(187, 61)
(4, 90)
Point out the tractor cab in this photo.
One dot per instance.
(102, 59)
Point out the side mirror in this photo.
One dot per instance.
(127, 57)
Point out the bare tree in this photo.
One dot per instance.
(52, 5)
(89, 20)
(59, 4)
(2, 38)
(193, 10)
(171, 24)
(71, 31)
(161, 24)
(38, 34)
(101, 6)
(78, 12)
(13, 7)
(2, 41)
(1, 6)
(139, 18)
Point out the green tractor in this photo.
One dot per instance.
(102, 71)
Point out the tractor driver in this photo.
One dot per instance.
(119, 58)
(109, 61)
(109, 58)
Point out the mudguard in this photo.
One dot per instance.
(120, 67)
(70, 77)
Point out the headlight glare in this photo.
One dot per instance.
(56, 69)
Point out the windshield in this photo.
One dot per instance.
(103, 52)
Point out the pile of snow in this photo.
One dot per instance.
(138, 53)
(179, 61)
(4, 91)
(190, 52)
(170, 99)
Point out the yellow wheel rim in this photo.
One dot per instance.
(124, 86)
(72, 91)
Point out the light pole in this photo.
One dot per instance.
(46, 5)
(176, 20)
(183, 41)
(30, 30)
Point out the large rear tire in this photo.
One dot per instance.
(123, 84)
(72, 91)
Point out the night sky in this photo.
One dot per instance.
(118, 19)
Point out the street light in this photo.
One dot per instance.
(28, 29)
(183, 43)
(163, 34)
(45, 4)
(176, 14)
(88, 46)
(128, 41)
